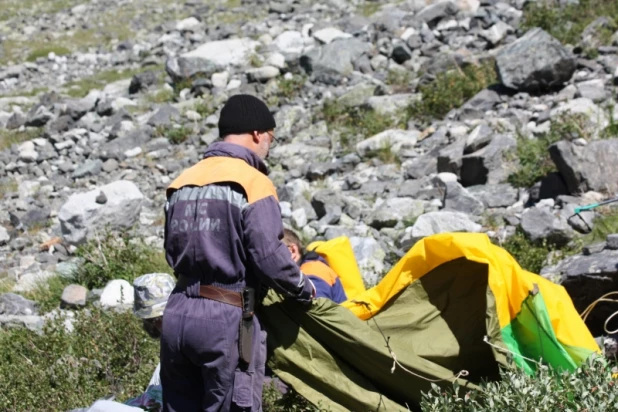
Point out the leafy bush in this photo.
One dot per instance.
(107, 353)
(354, 123)
(451, 90)
(534, 160)
(274, 401)
(117, 257)
(530, 257)
(590, 388)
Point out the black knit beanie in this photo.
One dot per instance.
(244, 113)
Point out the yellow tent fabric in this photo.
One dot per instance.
(509, 283)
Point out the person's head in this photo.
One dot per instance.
(151, 292)
(246, 120)
(292, 241)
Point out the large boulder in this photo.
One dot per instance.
(590, 167)
(211, 57)
(541, 224)
(438, 222)
(116, 205)
(586, 278)
(330, 63)
(535, 62)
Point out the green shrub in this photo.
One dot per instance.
(566, 23)
(274, 401)
(290, 88)
(530, 257)
(44, 52)
(107, 353)
(533, 153)
(590, 388)
(451, 90)
(117, 257)
(354, 123)
(11, 137)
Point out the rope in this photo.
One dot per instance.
(396, 363)
(588, 310)
(500, 348)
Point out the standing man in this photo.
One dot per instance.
(223, 234)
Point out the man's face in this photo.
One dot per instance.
(294, 252)
(152, 326)
(266, 142)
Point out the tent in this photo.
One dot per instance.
(453, 309)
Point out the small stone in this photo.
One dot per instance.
(612, 241)
(73, 296)
(101, 198)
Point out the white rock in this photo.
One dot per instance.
(441, 222)
(468, 5)
(219, 80)
(188, 24)
(81, 215)
(447, 177)
(224, 53)
(4, 236)
(286, 209)
(28, 188)
(394, 139)
(584, 106)
(117, 292)
(29, 281)
(193, 115)
(276, 60)
(262, 74)
(299, 218)
(290, 42)
(121, 102)
(329, 34)
(27, 152)
(408, 32)
(133, 152)
(233, 84)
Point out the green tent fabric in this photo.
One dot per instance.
(435, 328)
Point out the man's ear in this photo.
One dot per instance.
(255, 136)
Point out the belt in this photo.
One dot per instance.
(221, 295)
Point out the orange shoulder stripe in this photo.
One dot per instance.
(319, 269)
(257, 186)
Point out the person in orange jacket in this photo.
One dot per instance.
(326, 281)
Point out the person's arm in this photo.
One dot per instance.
(269, 257)
(338, 292)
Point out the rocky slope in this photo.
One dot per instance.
(395, 120)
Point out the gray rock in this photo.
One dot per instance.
(329, 64)
(73, 296)
(438, 222)
(369, 257)
(33, 323)
(612, 241)
(4, 236)
(116, 148)
(498, 195)
(81, 215)
(357, 95)
(478, 138)
(262, 74)
(14, 304)
(535, 62)
(291, 119)
(422, 166)
(459, 199)
(395, 210)
(592, 89)
(390, 104)
(142, 81)
(540, 224)
(393, 139)
(211, 57)
(16, 120)
(587, 278)
(450, 158)
(433, 13)
(477, 106)
(90, 168)
(38, 116)
(589, 167)
(327, 205)
(488, 165)
(164, 116)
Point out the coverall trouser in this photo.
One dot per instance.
(200, 364)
